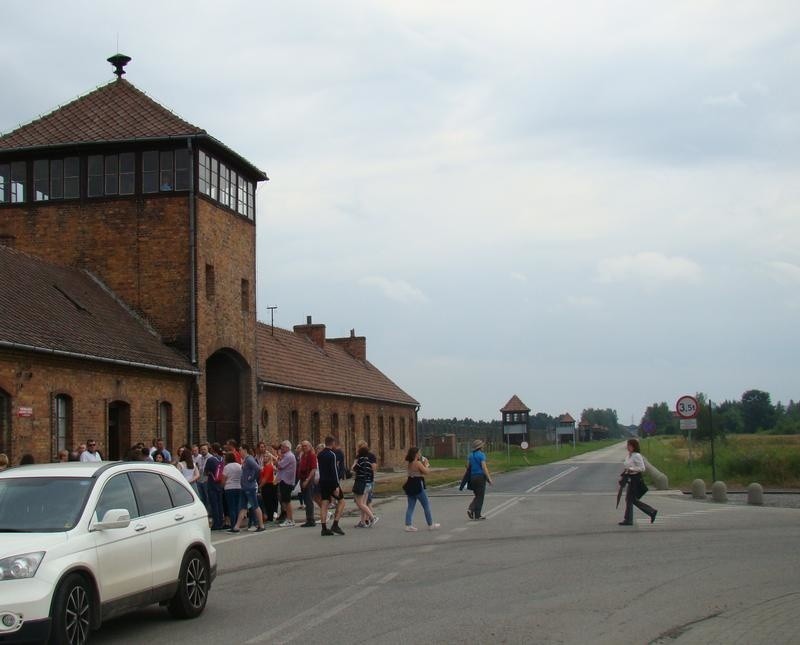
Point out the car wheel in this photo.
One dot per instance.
(72, 612)
(193, 585)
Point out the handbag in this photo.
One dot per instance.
(466, 480)
(414, 486)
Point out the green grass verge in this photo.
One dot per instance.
(770, 460)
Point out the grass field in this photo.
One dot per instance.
(770, 460)
(450, 470)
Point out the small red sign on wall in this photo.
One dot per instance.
(24, 412)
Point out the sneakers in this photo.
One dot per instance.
(434, 526)
(286, 523)
(326, 531)
(480, 517)
(361, 525)
(232, 530)
(375, 520)
(411, 529)
(305, 524)
(259, 529)
(336, 529)
(470, 514)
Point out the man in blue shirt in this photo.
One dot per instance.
(249, 484)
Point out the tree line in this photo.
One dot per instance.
(493, 430)
(753, 412)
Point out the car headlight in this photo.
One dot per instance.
(20, 566)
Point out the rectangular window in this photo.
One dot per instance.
(242, 205)
(214, 174)
(62, 416)
(94, 186)
(150, 172)
(56, 179)
(41, 180)
(391, 434)
(211, 286)
(251, 200)
(127, 173)
(245, 295)
(111, 174)
(204, 173)
(167, 181)
(182, 169)
(224, 184)
(71, 178)
(18, 182)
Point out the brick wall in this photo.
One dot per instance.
(31, 380)
(279, 405)
(226, 242)
(138, 246)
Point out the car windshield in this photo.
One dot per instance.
(37, 504)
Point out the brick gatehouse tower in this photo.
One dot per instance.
(162, 215)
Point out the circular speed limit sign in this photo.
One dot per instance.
(687, 407)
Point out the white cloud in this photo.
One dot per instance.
(732, 100)
(784, 272)
(398, 290)
(647, 268)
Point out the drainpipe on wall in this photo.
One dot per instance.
(192, 291)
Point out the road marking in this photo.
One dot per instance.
(388, 577)
(308, 618)
(500, 508)
(458, 529)
(547, 482)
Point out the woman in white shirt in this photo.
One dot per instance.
(232, 484)
(634, 469)
(188, 468)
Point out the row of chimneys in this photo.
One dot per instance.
(354, 345)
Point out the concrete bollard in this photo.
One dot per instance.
(660, 480)
(698, 489)
(755, 494)
(719, 492)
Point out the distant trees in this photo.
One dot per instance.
(754, 412)
(606, 418)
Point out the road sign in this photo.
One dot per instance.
(687, 407)
(688, 424)
(649, 426)
(524, 445)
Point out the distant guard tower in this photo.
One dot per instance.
(515, 421)
(565, 430)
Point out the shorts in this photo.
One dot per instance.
(330, 491)
(249, 499)
(285, 492)
(368, 491)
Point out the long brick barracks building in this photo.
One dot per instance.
(127, 297)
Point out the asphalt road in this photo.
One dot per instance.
(550, 565)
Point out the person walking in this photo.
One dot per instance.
(330, 489)
(248, 500)
(634, 469)
(364, 475)
(287, 468)
(414, 487)
(232, 484)
(306, 473)
(478, 478)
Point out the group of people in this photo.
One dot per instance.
(245, 488)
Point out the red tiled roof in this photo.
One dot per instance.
(515, 405)
(48, 308)
(287, 359)
(566, 418)
(117, 111)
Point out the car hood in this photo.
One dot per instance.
(19, 543)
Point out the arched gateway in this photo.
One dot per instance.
(227, 395)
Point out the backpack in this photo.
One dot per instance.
(217, 476)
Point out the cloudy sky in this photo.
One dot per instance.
(588, 204)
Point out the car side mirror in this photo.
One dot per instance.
(115, 518)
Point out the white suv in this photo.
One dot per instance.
(81, 542)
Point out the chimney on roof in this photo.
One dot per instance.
(356, 346)
(119, 61)
(315, 332)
